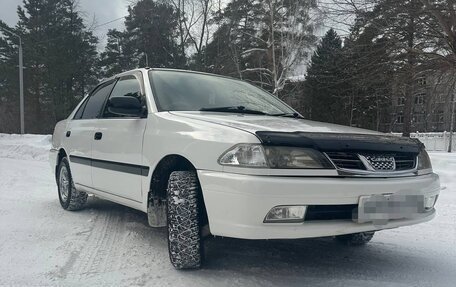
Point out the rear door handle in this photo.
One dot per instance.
(68, 134)
(98, 136)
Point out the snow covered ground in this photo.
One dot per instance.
(108, 244)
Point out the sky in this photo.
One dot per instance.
(95, 12)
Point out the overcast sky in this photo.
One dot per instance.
(101, 10)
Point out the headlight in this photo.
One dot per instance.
(424, 162)
(255, 155)
(245, 155)
(291, 157)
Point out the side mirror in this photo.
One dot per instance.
(126, 106)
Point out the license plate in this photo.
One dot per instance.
(381, 208)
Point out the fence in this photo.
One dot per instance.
(435, 141)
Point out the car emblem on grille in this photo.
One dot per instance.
(378, 162)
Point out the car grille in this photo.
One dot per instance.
(352, 160)
(330, 212)
(346, 160)
(380, 163)
(405, 162)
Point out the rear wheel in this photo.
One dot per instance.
(356, 239)
(184, 220)
(70, 198)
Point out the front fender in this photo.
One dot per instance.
(200, 142)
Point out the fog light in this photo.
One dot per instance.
(285, 213)
(429, 201)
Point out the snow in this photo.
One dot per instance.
(108, 244)
(27, 147)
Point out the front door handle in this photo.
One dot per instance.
(98, 136)
(68, 134)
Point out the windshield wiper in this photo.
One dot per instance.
(233, 109)
(288, 115)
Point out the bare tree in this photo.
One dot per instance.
(193, 17)
(285, 37)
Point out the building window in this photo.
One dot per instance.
(439, 117)
(400, 118)
(401, 101)
(419, 117)
(440, 98)
(422, 81)
(419, 98)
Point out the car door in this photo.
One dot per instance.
(117, 149)
(79, 134)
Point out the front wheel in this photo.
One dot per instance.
(70, 198)
(184, 226)
(356, 239)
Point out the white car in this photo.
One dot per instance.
(209, 155)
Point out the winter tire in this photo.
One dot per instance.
(356, 239)
(184, 228)
(70, 198)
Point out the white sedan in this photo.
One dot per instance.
(209, 155)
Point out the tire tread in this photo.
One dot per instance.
(356, 239)
(184, 232)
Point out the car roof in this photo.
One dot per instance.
(165, 69)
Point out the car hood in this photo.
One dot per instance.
(255, 123)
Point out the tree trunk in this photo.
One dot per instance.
(273, 56)
(408, 106)
(410, 78)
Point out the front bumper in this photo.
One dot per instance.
(237, 204)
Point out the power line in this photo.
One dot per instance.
(89, 29)
(109, 22)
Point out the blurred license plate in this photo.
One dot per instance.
(381, 208)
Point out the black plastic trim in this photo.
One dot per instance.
(111, 165)
(330, 212)
(84, 104)
(139, 76)
(338, 142)
(80, 160)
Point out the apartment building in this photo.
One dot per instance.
(431, 106)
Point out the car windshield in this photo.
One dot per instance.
(186, 91)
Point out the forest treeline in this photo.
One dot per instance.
(349, 79)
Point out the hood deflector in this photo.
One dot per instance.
(337, 142)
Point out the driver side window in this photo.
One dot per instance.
(126, 86)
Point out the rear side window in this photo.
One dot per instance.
(95, 102)
(126, 86)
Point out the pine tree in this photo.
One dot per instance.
(149, 39)
(325, 86)
(118, 54)
(9, 84)
(231, 50)
(60, 60)
(368, 74)
(408, 31)
(152, 28)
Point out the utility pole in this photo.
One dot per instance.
(21, 80)
(453, 104)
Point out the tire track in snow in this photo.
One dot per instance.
(99, 254)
